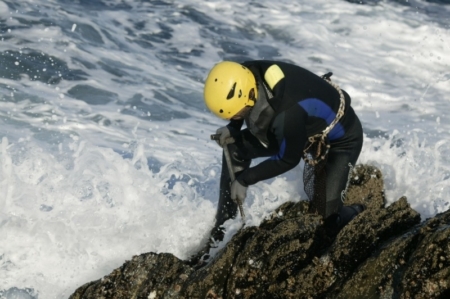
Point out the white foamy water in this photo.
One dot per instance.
(105, 149)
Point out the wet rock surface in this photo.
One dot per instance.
(385, 252)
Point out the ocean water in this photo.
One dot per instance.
(105, 149)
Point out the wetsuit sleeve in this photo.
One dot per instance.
(235, 127)
(235, 124)
(290, 131)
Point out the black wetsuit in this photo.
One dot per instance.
(299, 105)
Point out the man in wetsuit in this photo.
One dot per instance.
(282, 105)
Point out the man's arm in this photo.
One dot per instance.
(290, 131)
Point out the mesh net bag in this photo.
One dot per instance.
(314, 173)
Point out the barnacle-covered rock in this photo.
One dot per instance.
(385, 252)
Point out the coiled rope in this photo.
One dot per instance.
(318, 147)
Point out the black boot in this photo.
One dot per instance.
(201, 258)
(334, 223)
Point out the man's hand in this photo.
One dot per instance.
(224, 133)
(238, 191)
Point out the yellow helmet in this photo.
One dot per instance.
(229, 88)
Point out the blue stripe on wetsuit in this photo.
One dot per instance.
(280, 154)
(316, 108)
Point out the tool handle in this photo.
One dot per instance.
(215, 137)
(228, 140)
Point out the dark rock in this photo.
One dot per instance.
(366, 187)
(385, 252)
(414, 265)
(132, 280)
(211, 281)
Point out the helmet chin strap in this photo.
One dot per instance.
(242, 114)
(252, 95)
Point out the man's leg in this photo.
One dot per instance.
(342, 157)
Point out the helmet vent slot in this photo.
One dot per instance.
(231, 93)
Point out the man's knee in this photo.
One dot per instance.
(238, 157)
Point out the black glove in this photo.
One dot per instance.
(238, 191)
